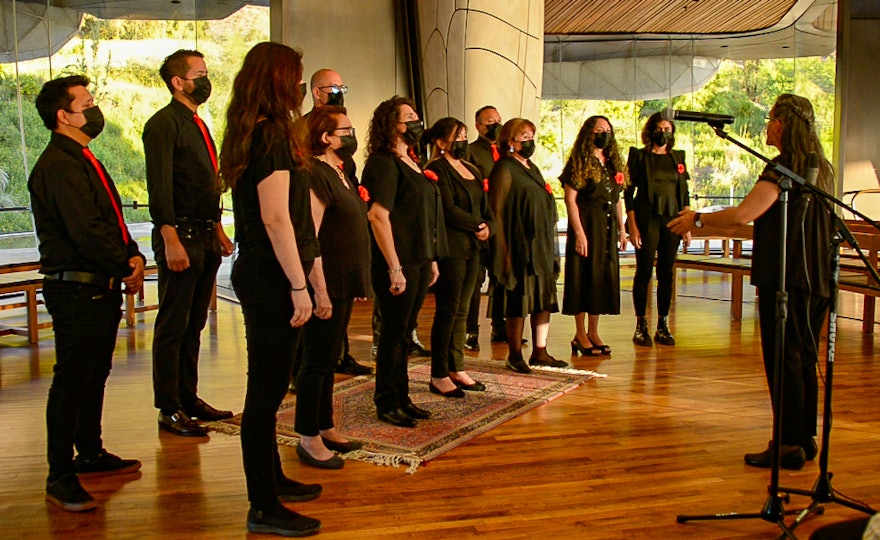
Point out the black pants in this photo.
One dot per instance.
(86, 320)
(184, 298)
(399, 314)
(473, 314)
(323, 343)
(452, 293)
(656, 238)
(800, 387)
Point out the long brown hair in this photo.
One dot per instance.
(585, 167)
(383, 132)
(799, 137)
(266, 88)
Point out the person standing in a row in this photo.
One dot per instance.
(592, 180)
(277, 248)
(86, 255)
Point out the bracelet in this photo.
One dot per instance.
(395, 270)
(295, 289)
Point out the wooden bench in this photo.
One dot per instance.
(738, 268)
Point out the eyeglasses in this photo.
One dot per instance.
(346, 131)
(334, 89)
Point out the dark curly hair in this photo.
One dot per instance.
(799, 137)
(651, 126)
(585, 167)
(383, 133)
(320, 121)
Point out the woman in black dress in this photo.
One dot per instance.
(792, 130)
(657, 192)
(469, 223)
(277, 248)
(340, 217)
(592, 180)
(406, 219)
(524, 252)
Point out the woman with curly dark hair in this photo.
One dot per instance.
(657, 192)
(406, 218)
(593, 180)
(277, 248)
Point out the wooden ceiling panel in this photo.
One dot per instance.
(569, 17)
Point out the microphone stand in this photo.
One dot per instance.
(773, 510)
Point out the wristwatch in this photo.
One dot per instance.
(698, 223)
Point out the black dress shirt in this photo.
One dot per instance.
(181, 179)
(480, 154)
(76, 223)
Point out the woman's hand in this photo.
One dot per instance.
(398, 282)
(635, 237)
(302, 307)
(687, 239)
(581, 246)
(435, 273)
(482, 232)
(621, 240)
(683, 224)
(323, 306)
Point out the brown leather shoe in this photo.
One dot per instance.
(179, 423)
(202, 411)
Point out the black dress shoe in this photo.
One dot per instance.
(419, 351)
(454, 393)
(342, 447)
(516, 363)
(397, 417)
(793, 460)
(179, 423)
(416, 412)
(292, 491)
(333, 462)
(476, 387)
(350, 366)
(544, 359)
(811, 449)
(205, 412)
(472, 342)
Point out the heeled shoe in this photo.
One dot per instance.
(334, 462)
(454, 393)
(603, 349)
(576, 347)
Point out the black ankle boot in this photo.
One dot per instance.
(662, 335)
(641, 335)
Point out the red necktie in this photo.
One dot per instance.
(495, 155)
(103, 176)
(207, 137)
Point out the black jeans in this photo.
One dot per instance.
(800, 386)
(656, 238)
(86, 320)
(323, 342)
(399, 314)
(473, 314)
(452, 293)
(184, 298)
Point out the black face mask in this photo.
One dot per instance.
(302, 90)
(527, 148)
(337, 98)
(349, 144)
(202, 91)
(492, 131)
(459, 149)
(661, 138)
(602, 139)
(413, 134)
(94, 122)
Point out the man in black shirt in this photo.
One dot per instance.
(86, 254)
(188, 240)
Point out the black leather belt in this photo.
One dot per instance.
(88, 278)
(207, 224)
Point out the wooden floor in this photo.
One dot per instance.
(618, 458)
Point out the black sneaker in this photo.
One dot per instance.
(292, 491)
(106, 463)
(281, 521)
(472, 342)
(68, 494)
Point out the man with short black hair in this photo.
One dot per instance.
(188, 240)
(86, 254)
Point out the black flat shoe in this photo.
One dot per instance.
(416, 412)
(516, 363)
(476, 387)
(454, 393)
(793, 460)
(811, 449)
(350, 366)
(397, 417)
(546, 360)
(342, 448)
(290, 490)
(334, 462)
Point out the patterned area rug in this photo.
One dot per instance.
(454, 421)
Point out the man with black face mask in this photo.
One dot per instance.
(188, 240)
(87, 255)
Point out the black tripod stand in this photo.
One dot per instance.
(773, 510)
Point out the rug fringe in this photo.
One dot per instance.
(571, 371)
(385, 460)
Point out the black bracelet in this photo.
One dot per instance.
(294, 289)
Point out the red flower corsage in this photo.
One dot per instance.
(619, 178)
(548, 188)
(432, 175)
(486, 185)
(365, 195)
(681, 168)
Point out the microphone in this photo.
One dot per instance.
(690, 116)
(812, 169)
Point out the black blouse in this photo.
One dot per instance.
(465, 207)
(415, 208)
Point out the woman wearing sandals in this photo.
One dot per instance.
(593, 180)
